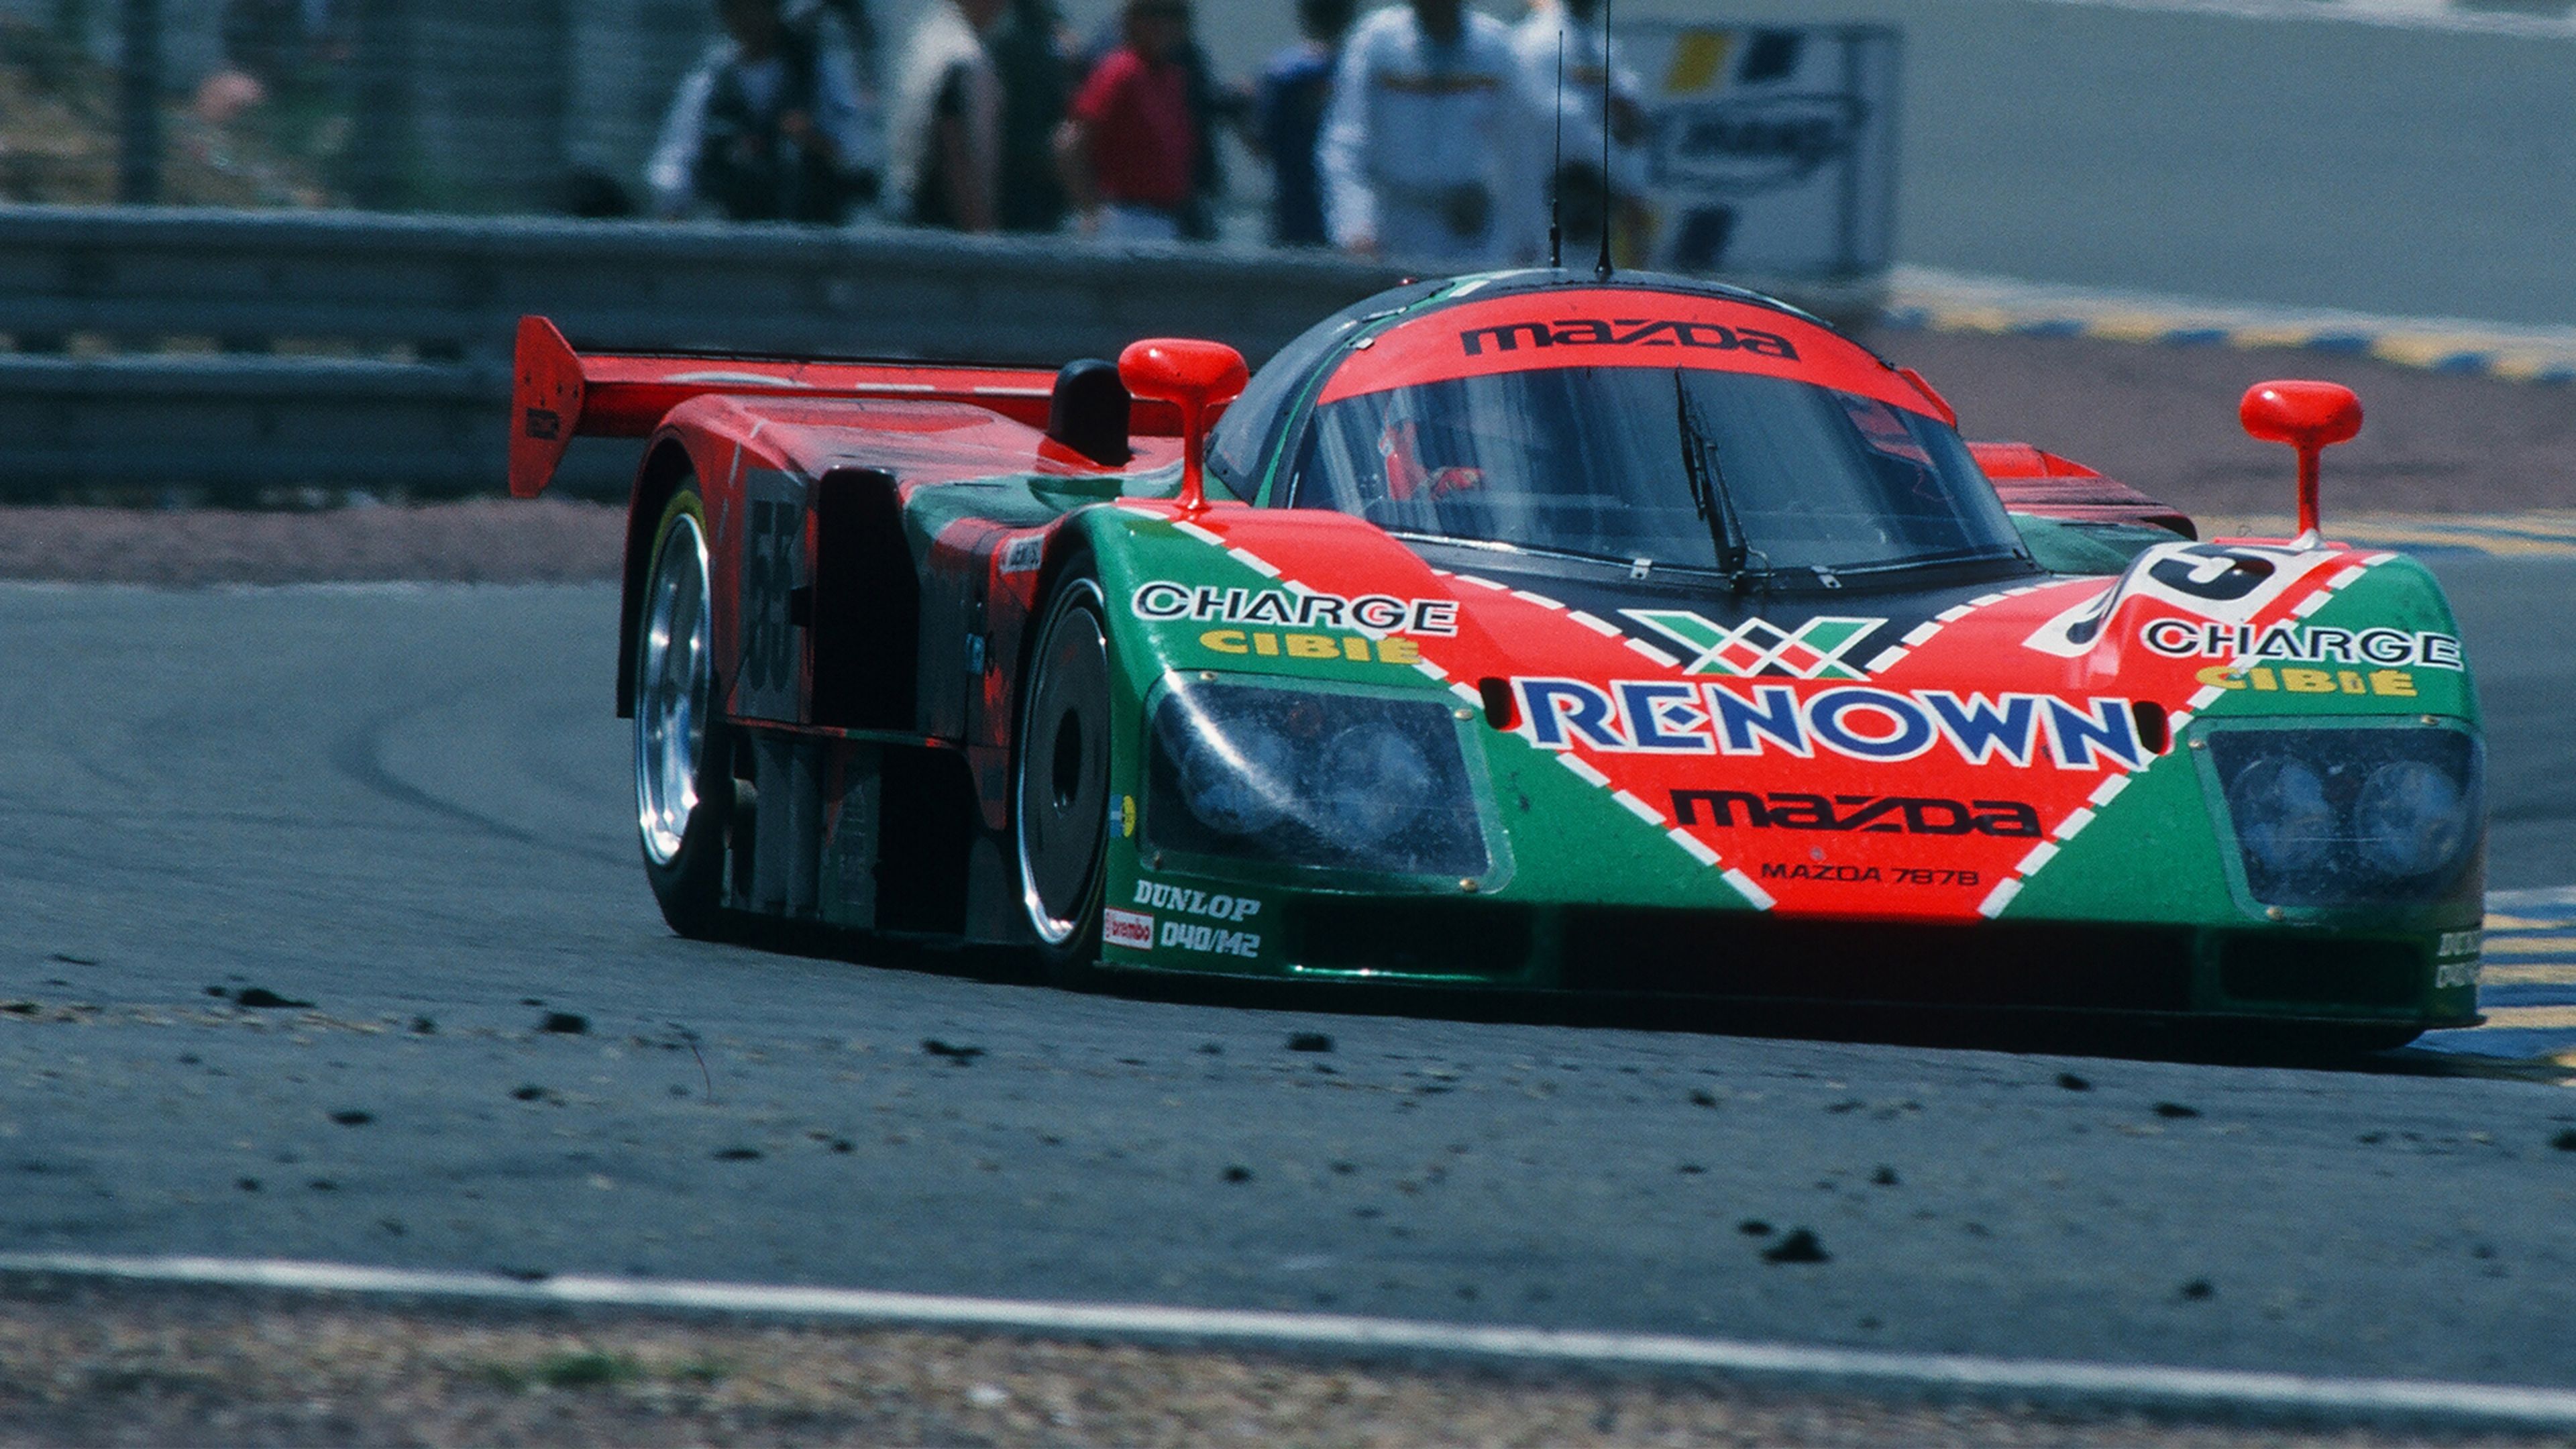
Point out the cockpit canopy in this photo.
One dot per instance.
(1677, 429)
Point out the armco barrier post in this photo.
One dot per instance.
(138, 163)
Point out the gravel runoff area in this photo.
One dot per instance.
(488, 540)
(2160, 418)
(84, 1365)
(2163, 419)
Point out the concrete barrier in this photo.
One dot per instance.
(351, 350)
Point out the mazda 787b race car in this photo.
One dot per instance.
(1529, 630)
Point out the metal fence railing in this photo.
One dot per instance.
(247, 352)
(241, 352)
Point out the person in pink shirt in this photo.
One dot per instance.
(1130, 147)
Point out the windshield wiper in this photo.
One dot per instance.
(1708, 488)
(1947, 556)
(1496, 545)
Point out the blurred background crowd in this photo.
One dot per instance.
(1422, 126)
(1427, 128)
(2102, 143)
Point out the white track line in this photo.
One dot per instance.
(2203, 1388)
(2543, 899)
(2397, 14)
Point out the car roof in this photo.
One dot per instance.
(1540, 320)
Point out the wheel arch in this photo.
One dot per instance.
(1069, 561)
(666, 466)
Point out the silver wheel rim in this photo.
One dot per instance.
(1062, 790)
(673, 680)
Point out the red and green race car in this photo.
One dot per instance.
(1528, 630)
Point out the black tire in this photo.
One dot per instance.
(684, 786)
(1060, 783)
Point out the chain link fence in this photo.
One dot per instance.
(461, 106)
(457, 106)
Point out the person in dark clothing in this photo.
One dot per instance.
(267, 40)
(1212, 106)
(1288, 112)
(1036, 78)
(764, 129)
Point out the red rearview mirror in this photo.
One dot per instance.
(1196, 377)
(2308, 416)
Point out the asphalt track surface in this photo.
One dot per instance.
(407, 806)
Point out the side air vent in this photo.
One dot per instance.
(866, 608)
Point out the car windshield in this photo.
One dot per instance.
(1691, 468)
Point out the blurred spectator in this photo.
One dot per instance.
(283, 62)
(857, 29)
(768, 127)
(850, 40)
(944, 136)
(1295, 88)
(593, 195)
(280, 43)
(1589, 56)
(1129, 150)
(1430, 148)
(1036, 77)
(1211, 105)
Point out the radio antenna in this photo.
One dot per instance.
(1556, 168)
(1602, 271)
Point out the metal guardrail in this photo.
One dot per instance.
(356, 350)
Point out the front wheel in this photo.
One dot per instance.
(1062, 787)
(683, 765)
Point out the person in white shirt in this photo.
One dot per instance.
(1590, 54)
(769, 127)
(1432, 148)
(944, 132)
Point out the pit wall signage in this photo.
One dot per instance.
(1849, 763)
(1768, 150)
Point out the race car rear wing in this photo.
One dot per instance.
(2041, 483)
(558, 394)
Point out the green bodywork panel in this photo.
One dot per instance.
(1560, 843)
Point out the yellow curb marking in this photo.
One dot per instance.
(2547, 533)
(2530, 945)
(2545, 1018)
(2552, 975)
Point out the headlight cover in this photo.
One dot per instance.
(2348, 817)
(1341, 781)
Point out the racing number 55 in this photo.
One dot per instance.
(772, 555)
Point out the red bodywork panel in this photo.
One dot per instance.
(559, 394)
(923, 440)
(1616, 327)
(2031, 481)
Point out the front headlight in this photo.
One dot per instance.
(2282, 818)
(2347, 817)
(1243, 780)
(1297, 777)
(1373, 781)
(2411, 818)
